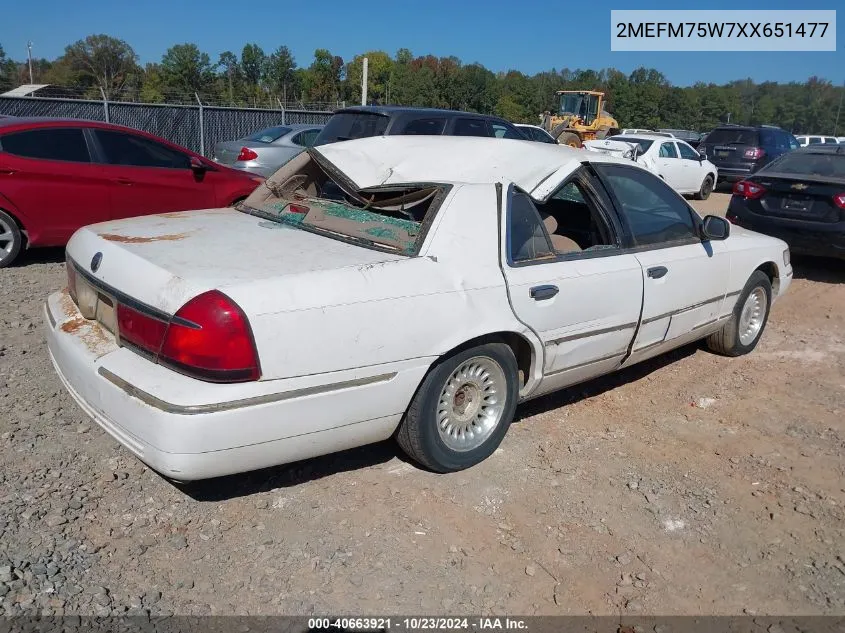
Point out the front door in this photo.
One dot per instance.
(569, 282)
(684, 279)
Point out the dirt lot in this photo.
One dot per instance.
(693, 484)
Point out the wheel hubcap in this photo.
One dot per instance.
(7, 240)
(752, 315)
(471, 403)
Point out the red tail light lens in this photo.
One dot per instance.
(140, 329)
(754, 153)
(839, 200)
(247, 154)
(210, 338)
(749, 190)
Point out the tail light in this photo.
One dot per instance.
(754, 153)
(839, 200)
(247, 154)
(749, 190)
(208, 338)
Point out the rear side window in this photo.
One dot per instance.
(667, 150)
(269, 135)
(829, 139)
(471, 127)
(730, 136)
(345, 126)
(814, 140)
(66, 144)
(501, 130)
(136, 151)
(526, 237)
(430, 126)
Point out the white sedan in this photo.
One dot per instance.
(686, 171)
(416, 287)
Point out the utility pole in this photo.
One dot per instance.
(29, 55)
(839, 109)
(364, 82)
(729, 117)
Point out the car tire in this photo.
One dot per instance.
(743, 330)
(706, 188)
(569, 138)
(473, 390)
(11, 239)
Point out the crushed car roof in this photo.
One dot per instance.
(537, 168)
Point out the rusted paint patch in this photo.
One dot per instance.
(93, 335)
(67, 305)
(126, 239)
(73, 326)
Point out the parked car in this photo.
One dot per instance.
(805, 139)
(263, 152)
(691, 137)
(57, 175)
(676, 162)
(452, 279)
(799, 198)
(739, 150)
(363, 121)
(536, 133)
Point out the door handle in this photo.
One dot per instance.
(540, 293)
(6, 171)
(124, 181)
(657, 272)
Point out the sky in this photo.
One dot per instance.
(525, 35)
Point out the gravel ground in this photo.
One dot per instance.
(693, 484)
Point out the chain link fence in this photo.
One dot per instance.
(196, 127)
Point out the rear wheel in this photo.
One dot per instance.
(742, 332)
(11, 239)
(706, 188)
(570, 139)
(463, 409)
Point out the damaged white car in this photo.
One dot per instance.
(416, 287)
(676, 162)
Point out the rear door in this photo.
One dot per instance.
(146, 176)
(583, 304)
(48, 175)
(670, 166)
(684, 279)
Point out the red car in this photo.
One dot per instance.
(57, 175)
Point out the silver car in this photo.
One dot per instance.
(265, 151)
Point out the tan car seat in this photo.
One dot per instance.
(560, 243)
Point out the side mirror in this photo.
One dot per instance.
(197, 166)
(715, 228)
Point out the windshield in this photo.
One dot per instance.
(345, 126)
(826, 164)
(642, 142)
(571, 103)
(268, 135)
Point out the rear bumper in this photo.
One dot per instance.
(733, 174)
(294, 419)
(250, 168)
(803, 237)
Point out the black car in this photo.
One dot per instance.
(691, 137)
(362, 121)
(739, 151)
(799, 198)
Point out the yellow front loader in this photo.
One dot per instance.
(581, 117)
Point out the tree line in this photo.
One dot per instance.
(643, 98)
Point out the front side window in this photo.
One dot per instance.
(64, 144)
(527, 240)
(667, 150)
(654, 212)
(687, 152)
(344, 126)
(130, 150)
(501, 130)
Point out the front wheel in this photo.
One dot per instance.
(462, 410)
(11, 239)
(706, 188)
(742, 332)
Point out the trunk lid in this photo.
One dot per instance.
(227, 152)
(165, 260)
(799, 197)
(726, 147)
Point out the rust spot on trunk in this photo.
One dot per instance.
(67, 305)
(126, 239)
